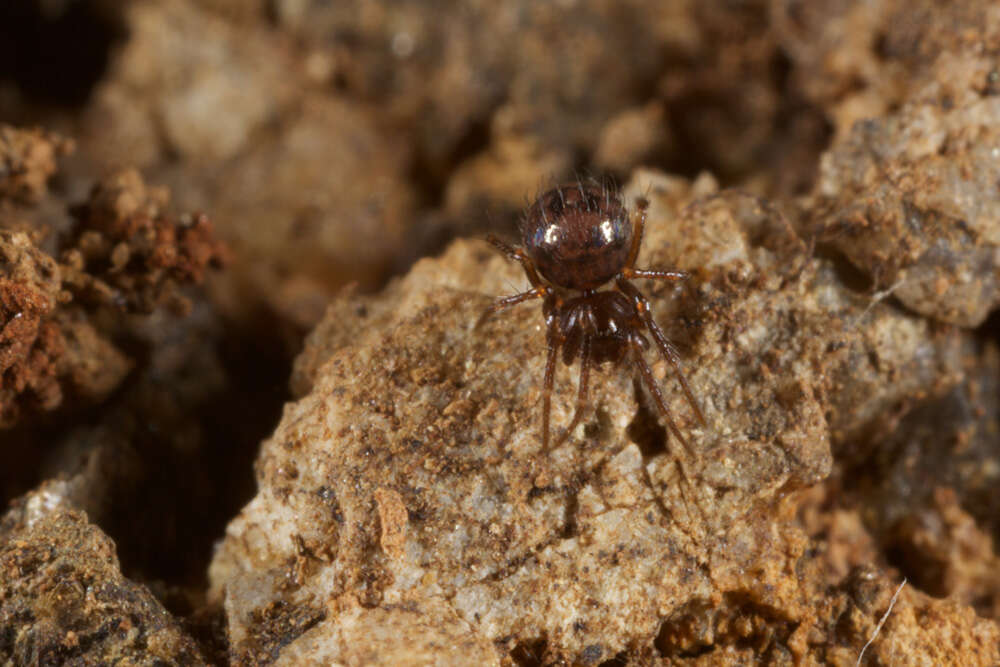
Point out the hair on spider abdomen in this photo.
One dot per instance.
(577, 238)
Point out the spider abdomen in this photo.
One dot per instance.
(579, 236)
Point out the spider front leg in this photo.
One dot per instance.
(508, 301)
(629, 272)
(666, 348)
(641, 205)
(518, 255)
(538, 289)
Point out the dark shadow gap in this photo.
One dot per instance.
(57, 57)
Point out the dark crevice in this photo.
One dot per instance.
(645, 429)
(702, 112)
(688, 157)
(215, 475)
(800, 133)
(529, 653)
(848, 274)
(436, 228)
(430, 174)
(570, 528)
(918, 566)
(990, 328)
(619, 660)
(700, 627)
(57, 57)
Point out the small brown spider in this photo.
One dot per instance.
(577, 238)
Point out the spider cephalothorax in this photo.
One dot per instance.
(576, 239)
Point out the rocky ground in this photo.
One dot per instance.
(248, 417)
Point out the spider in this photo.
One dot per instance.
(577, 238)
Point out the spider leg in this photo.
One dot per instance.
(651, 385)
(508, 301)
(654, 389)
(673, 276)
(667, 350)
(581, 398)
(518, 255)
(538, 288)
(553, 342)
(640, 223)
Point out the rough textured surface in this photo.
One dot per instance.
(911, 197)
(300, 182)
(63, 599)
(120, 250)
(27, 160)
(862, 60)
(928, 491)
(126, 251)
(45, 350)
(410, 471)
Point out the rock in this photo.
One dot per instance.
(634, 136)
(927, 491)
(910, 197)
(122, 251)
(27, 160)
(409, 475)
(305, 186)
(128, 252)
(63, 599)
(45, 348)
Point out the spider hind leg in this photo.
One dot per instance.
(653, 388)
